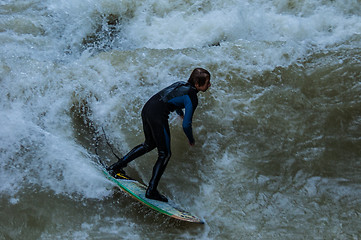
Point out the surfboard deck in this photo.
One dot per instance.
(137, 190)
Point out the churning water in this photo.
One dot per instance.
(278, 135)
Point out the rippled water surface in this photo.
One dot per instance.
(278, 135)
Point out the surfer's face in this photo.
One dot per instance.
(204, 87)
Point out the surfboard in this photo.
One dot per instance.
(137, 190)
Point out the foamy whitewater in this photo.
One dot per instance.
(278, 135)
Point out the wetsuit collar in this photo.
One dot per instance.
(195, 89)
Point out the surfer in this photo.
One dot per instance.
(155, 115)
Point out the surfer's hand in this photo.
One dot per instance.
(191, 144)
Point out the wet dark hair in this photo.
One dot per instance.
(199, 75)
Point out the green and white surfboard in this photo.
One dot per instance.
(137, 191)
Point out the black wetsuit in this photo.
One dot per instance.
(155, 115)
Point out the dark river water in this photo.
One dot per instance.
(278, 135)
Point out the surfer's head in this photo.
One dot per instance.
(200, 79)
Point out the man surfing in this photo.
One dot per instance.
(155, 114)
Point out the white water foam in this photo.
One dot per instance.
(34, 75)
(47, 71)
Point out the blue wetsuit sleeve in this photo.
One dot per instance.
(187, 120)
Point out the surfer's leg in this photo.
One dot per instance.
(164, 154)
(136, 152)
